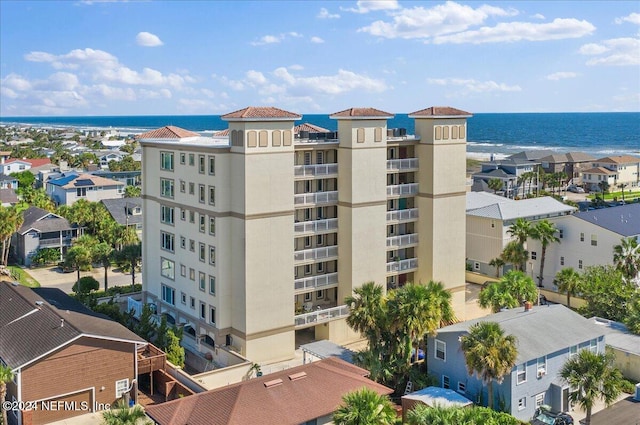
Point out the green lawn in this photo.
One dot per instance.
(628, 196)
(19, 275)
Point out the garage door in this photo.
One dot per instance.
(60, 408)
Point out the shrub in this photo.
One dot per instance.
(627, 386)
(85, 285)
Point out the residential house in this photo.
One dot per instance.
(61, 352)
(129, 178)
(624, 345)
(8, 182)
(307, 394)
(615, 170)
(388, 209)
(572, 164)
(42, 229)
(509, 171)
(532, 155)
(587, 239)
(68, 188)
(106, 157)
(126, 212)
(489, 218)
(13, 165)
(547, 336)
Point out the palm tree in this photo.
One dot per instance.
(622, 186)
(568, 281)
(78, 257)
(6, 375)
(514, 288)
(365, 407)
(545, 232)
(131, 255)
(132, 191)
(521, 230)
(592, 376)
(489, 353)
(604, 187)
(102, 253)
(123, 415)
(626, 257)
(365, 309)
(515, 253)
(10, 221)
(498, 263)
(495, 185)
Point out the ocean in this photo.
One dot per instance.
(599, 134)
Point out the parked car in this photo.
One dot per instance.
(575, 189)
(543, 416)
(65, 268)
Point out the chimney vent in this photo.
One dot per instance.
(296, 376)
(62, 323)
(273, 383)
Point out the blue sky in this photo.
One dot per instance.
(109, 57)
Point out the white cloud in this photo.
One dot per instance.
(559, 29)
(561, 76)
(419, 22)
(296, 67)
(268, 39)
(366, 6)
(63, 81)
(613, 52)
(633, 18)
(475, 86)
(255, 77)
(324, 14)
(317, 40)
(107, 92)
(147, 39)
(15, 82)
(342, 82)
(538, 16)
(75, 59)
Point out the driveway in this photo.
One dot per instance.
(52, 277)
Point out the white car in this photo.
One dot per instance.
(575, 189)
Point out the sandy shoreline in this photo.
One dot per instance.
(485, 156)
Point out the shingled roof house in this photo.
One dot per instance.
(59, 351)
(67, 189)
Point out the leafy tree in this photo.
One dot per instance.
(85, 285)
(10, 221)
(423, 414)
(78, 257)
(626, 257)
(515, 253)
(102, 253)
(146, 328)
(568, 281)
(495, 185)
(632, 319)
(131, 255)
(512, 289)
(545, 232)
(365, 407)
(132, 191)
(489, 353)
(45, 256)
(498, 263)
(592, 376)
(6, 375)
(604, 186)
(173, 349)
(606, 293)
(124, 415)
(26, 179)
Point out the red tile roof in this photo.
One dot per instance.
(438, 111)
(310, 128)
(292, 396)
(35, 162)
(361, 112)
(253, 112)
(167, 132)
(221, 133)
(620, 159)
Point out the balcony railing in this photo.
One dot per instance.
(316, 226)
(402, 164)
(401, 215)
(315, 170)
(402, 189)
(402, 265)
(315, 282)
(321, 316)
(316, 198)
(402, 240)
(315, 253)
(55, 242)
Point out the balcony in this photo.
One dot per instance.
(402, 189)
(406, 164)
(316, 282)
(316, 226)
(313, 254)
(320, 316)
(402, 215)
(320, 170)
(317, 198)
(402, 241)
(402, 266)
(66, 241)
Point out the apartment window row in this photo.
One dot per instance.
(211, 319)
(377, 135)
(167, 241)
(166, 188)
(167, 268)
(167, 214)
(202, 222)
(205, 163)
(168, 294)
(204, 196)
(166, 161)
(441, 132)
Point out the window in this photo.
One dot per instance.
(307, 296)
(183, 270)
(192, 302)
(183, 214)
(166, 241)
(192, 245)
(81, 191)
(319, 157)
(581, 237)
(212, 285)
(192, 217)
(212, 315)
(168, 294)
(476, 265)
(166, 188)
(522, 403)
(183, 298)
(192, 188)
(320, 294)
(167, 268)
(320, 267)
(212, 195)
(192, 159)
(192, 274)
(212, 255)
(593, 345)
(182, 157)
(573, 351)
(307, 242)
(561, 233)
(307, 269)
(307, 158)
(121, 387)
(462, 387)
(212, 165)
(183, 242)
(441, 348)
(201, 195)
(542, 366)
(212, 225)
(201, 164)
(202, 280)
(203, 310)
(594, 240)
(580, 264)
(539, 400)
(166, 161)
(203, 222)
(166, 214)
(534, 255)
(202, 251)
(522, 373)
(183, 186)
(562, 261)
(446, 383)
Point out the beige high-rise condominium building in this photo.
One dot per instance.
(252, 237)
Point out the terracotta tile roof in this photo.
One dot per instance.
(361, 113)
(620, 159)
(310, 128)
(167, 132)
(253, 112)
(221, 133)
(438, 111)
(598, 170)
(35, 162)
(292, 396)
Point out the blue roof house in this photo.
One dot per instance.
(547, 336)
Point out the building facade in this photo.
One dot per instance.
(615, 171)
(266, 231)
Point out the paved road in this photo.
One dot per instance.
(52, 277)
